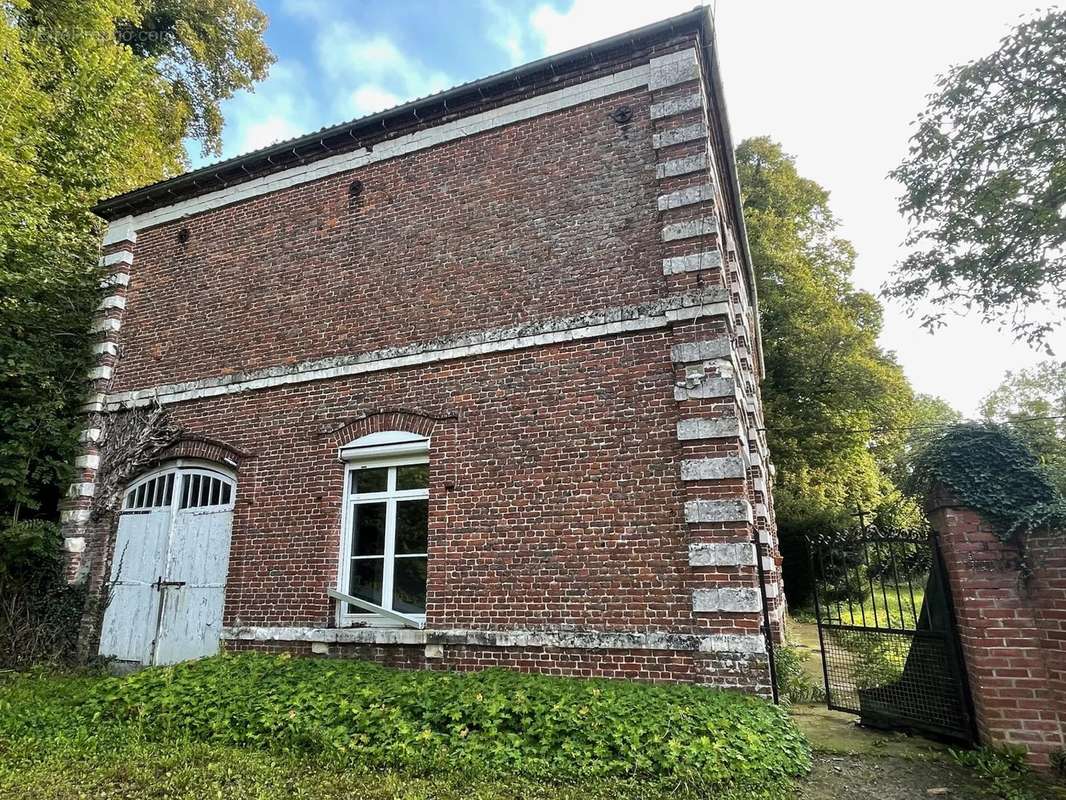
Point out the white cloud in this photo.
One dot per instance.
(271, 130)
(278, 109)
(370, 70)
(589, 20)
(370, 98)
(506, 30)
(319, 10)
(356, 74)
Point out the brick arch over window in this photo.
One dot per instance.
(389, 419)
(193, 445)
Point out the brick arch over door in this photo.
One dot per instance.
(206, 448)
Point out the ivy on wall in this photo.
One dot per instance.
(131, 441)
(990, 469)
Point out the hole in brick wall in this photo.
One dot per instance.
(622, 115)
(355, 191)
(183, 236)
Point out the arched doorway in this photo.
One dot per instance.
(168, 570)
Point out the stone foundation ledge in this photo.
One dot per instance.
(742, 643)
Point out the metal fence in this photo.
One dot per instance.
(890, 651)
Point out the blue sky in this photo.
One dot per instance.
(835, 81)
(339, 60)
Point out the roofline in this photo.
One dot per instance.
(721, 120)
(286, 154)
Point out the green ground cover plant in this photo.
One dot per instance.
(273, 726)
(1003, 768)
(896, 607)
(795, 683)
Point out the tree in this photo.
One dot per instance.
(834, 400)
(205, 50)
(985, 188)
(82, 116)
(929, 416)
(1034, 402)
(836, 405)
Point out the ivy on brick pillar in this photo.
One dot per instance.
(1010, 610)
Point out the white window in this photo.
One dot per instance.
(385, 525)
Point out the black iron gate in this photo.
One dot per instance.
(890, 652)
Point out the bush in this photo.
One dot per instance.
(531, 726)
(796, 684)
(39, 612)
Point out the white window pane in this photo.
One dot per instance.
(365, 581)
(368, 529)
(409, 585)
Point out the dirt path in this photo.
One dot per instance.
(839, 777)
(854, 763)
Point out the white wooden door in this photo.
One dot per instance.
(169, 569)
(191, 618)
(132, 613)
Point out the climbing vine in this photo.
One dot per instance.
(131, 441)
(990, 469)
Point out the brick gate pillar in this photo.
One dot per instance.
(1010, 612)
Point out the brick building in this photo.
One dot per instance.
(472, 381)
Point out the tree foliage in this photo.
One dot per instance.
(205, 50)
(834, 401)
(1034, 402)
(82, 116)
(837, 406)
(985, 187)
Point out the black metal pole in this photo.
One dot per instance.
(818, 619)
(766, 618)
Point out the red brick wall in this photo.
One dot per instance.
(657, 666)
(549, 217)
(1010, 601)
(564, 506)
(557, 501)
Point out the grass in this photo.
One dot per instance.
(137, 768)
(885, 610)
(64, 737)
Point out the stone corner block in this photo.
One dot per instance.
(678, 105)
(673, 68)
(706, 390)
(681, 166)
(689, 229)
(74, 544)
(748, 643)
(709, 428)
(737, 601)
(120, 230)
(687, 352)
(721, 554)
(686, 133)
(697, 511)
(694, 262)
(711, 469)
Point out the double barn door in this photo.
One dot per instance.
(168, 570)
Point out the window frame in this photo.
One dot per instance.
(383, 451)
(180, 468)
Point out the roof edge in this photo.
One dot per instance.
(284, 155)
